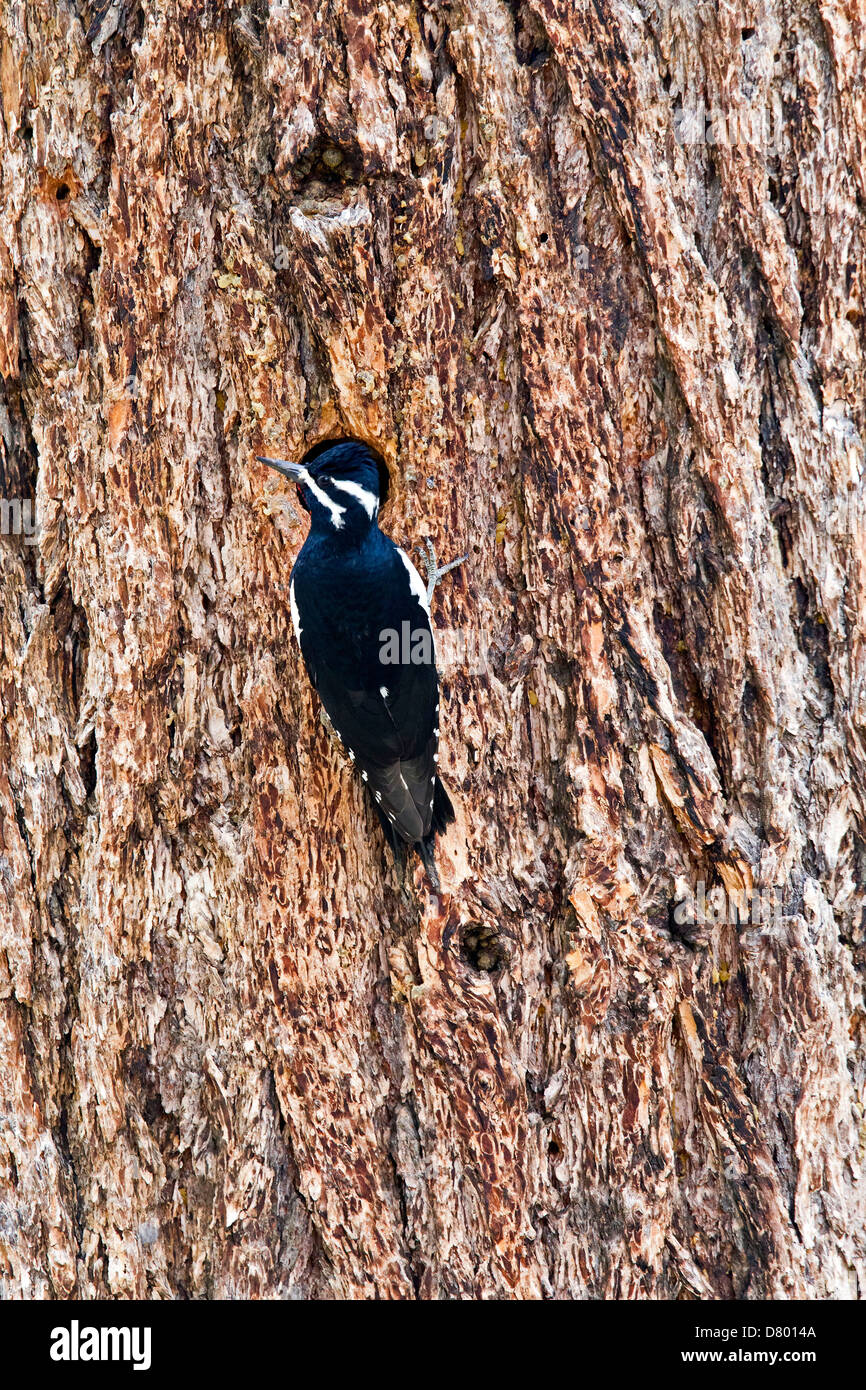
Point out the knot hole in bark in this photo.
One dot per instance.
(482, 948)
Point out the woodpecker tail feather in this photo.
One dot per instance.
(443, 811)
(443, 816)
(428, 859)
(395, 842)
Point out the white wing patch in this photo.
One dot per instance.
(416, 583)
(368, 501)
(296, 617)
(337, 512)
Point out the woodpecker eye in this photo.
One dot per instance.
(351, 459)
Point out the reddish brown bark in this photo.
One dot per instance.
(591, 278)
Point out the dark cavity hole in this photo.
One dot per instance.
(482, 948)
(87, 764)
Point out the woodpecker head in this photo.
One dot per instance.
(341, 483)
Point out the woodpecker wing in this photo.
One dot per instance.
(367, 644)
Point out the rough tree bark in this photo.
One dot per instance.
(591, 276)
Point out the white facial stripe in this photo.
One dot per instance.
(367, 500)
(337, 512)
(416, 583)
(296, 617)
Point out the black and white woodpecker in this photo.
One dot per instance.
(361, 614)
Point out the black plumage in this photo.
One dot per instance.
(360, 613)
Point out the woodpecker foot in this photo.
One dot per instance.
(434, 573)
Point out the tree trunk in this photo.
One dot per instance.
(591, 277)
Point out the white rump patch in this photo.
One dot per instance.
(360, 494)
(296, 617)
(416, 583)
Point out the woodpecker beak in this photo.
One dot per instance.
(295, 471)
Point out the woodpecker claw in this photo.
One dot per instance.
(434, 572)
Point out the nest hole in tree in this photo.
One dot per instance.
(482, 948)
